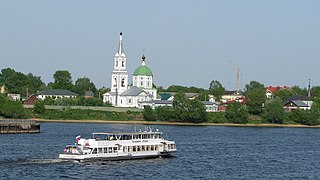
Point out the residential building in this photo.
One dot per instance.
(55, 94)
(270, 90)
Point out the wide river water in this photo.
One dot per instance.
(204, 152)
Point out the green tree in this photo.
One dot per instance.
(84, 84)
(192, 89)
(237, 113)
(253, 85)
(148, 114)
(12, 109)
(188, 110)
(39, 107)
(62, 80)
(284, 94)
(273, 111)
(255, 97)
(216, 89)
(101, 91)
(315, 91)
(203, 96)
(17, 82)
(299, 91)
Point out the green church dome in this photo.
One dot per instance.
(143, 71)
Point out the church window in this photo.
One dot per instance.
(129, 101)
(148, 83)
(121, 101)
(122, 63)
(116, 63)
(115, 82)
(122, 83)
(141, 83)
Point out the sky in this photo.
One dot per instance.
(188, 43)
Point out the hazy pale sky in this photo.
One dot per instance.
(190, 43)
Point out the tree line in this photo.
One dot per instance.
(26, 84)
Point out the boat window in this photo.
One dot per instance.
(156, 147)
(100, 150)
(129, 149)
(138, 148)
(148, 148)
(110, 149)
(115, 149)
(125, 148)
(152, 147)
(134, 148)
(94, 151)
(143, 148)
(105, 150)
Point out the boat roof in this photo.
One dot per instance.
(126, 133)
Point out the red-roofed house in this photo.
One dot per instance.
(270, 90)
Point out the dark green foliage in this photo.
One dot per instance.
(78, 114)
(84, 84)
(217, 117)
(315, 91)
(39, 107)
(188, 110)
(12, 109)
(78, 101)
(148, 114)
(273, 111)
(253, 85)
(62, 80)
(17, 82)
(284, 94)
(298, 91)
(255, 97)
(307, 117)
(183, 110)
(237, 113)
(203, 96)
(176, 88)
(216, 89)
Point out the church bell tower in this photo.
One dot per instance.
(119, 77)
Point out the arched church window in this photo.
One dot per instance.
(116, 63)
(122, 82)
(148, 83)
(141, 83)
(122, 63)
(115, 82)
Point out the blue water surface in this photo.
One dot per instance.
(204, 152)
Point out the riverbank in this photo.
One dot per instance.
(176, 123)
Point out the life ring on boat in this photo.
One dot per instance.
(129, 154)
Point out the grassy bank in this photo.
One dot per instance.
(78, 114)
(176, 123)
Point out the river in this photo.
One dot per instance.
(204, 152)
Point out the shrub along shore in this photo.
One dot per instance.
(175, 123)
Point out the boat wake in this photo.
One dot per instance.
(42, 161)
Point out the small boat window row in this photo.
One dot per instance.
(113, 137)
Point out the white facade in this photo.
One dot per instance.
(119, 77)
(121, 94)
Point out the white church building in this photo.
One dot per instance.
(123, 95)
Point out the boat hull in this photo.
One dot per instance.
(84, 158)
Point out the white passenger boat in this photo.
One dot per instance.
(119, 146)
